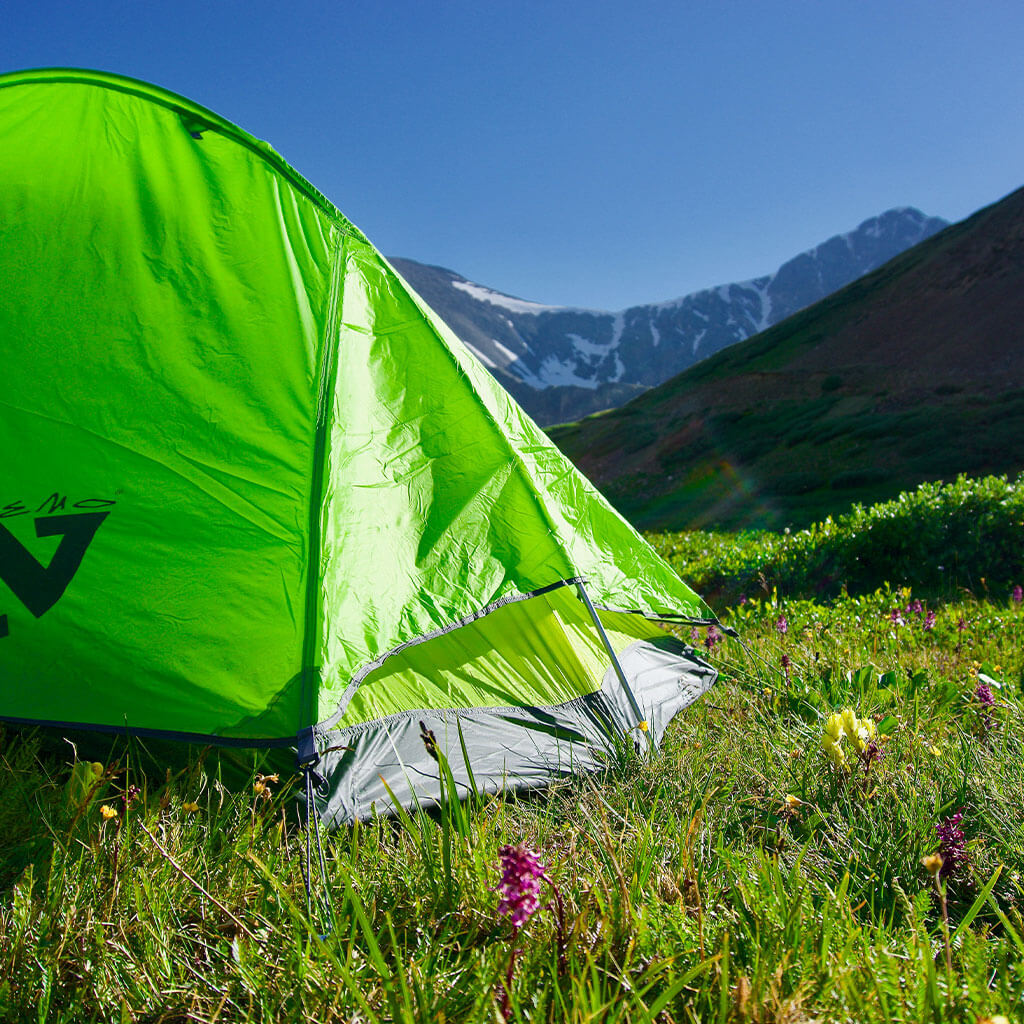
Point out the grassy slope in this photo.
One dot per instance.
(912, 373)
(694, 891)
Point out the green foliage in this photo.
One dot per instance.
(938, 538)
(735, 875)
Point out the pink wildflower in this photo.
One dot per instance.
(522, 873)
(781, 625)
(929, 621)
(896, 617)
(984, 696)
(1017, 595)
(713, 639)
(952, 844)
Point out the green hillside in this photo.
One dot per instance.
(913, 373)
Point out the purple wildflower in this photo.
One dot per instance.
(961, 624)
(984, 696)
(521, 875)
(952, 844)
(781, 625)
(870, 754)
(915, 608)
(743, 598)
(896, 617)
(694, 635)
(1017, 595)
(713, 639)
(929, 621)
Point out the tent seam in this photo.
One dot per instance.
(325, 394)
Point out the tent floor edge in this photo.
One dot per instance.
(370, 766)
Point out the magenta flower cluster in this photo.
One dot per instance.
(782, 625)
(519, 889)
(1018, 594)
(984, 696)
(952, 844)
(904, 616)
(713, 639)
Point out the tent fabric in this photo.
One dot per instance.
(254, 487)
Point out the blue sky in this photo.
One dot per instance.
(591, 154)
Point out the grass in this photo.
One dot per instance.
(736, 875)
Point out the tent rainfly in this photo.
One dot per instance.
(256, 493)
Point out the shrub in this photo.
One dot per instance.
(969, 533)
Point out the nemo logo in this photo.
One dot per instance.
(37, 586)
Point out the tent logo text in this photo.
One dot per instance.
(37, 586)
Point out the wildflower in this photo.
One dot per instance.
(952, 844)
(871, 753)
(914, 608)
(785, 662)
(830, 740)
(781, 625)
(694, 635)
(130, 795)
(932, 863)
(262, 785)
(896, 617)
(108, 812)
(1017, 595)
(961, 624)
(713, 639)
(792, 802)
(860, 732)
(521, 875)
(929, 621)
(190, 807)
(984, 696)
(429, 740)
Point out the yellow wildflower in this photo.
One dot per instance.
(834, 727)
(932, 863)
(834, 751)
(190, 807)
(108, 812)
(793, 802)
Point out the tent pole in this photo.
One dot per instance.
(641, 720)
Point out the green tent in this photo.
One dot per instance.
(256, 492)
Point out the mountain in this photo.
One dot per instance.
(561, 363)
(914, 372)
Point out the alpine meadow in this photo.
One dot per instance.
(335, 688)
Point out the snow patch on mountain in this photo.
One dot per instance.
(513, 305)
(549, 349)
